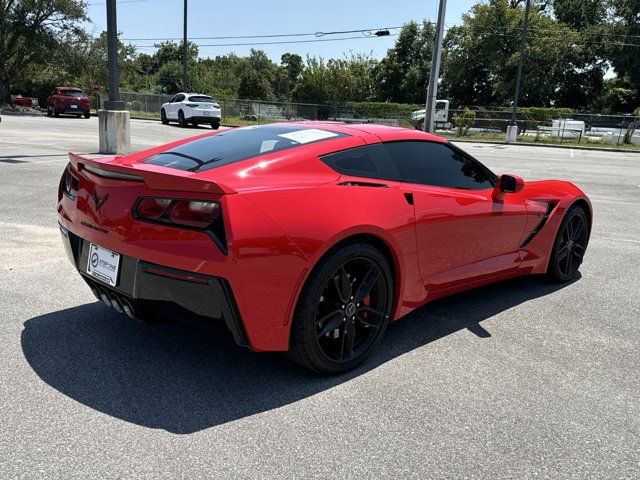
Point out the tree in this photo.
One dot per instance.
(481, 58)
(30, 32)
(625, 30)
(403, 74)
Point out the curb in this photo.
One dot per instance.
(10, 113)
(547, 145)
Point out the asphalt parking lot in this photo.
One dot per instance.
(522, 379)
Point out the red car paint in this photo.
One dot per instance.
(283, 211)
(68, 100)
(22, 101)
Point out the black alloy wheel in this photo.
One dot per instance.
(343, 310)
(570, 245)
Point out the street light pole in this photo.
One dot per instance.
(185, 73)
(523, 41)
(434, 73)
(114, 102)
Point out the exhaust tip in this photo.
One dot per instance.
(104, 296)
(95, 292)
(116, 304)
(128, 309)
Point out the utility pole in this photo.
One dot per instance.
(523, 41)
(434, 73)
(185, 54)
(114, 132)
(114, 102)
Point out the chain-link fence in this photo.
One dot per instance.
(542, 125)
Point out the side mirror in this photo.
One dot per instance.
(508, 184)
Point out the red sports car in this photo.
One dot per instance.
(309, 237)
(68, 100)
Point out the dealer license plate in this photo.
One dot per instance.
(103, 264)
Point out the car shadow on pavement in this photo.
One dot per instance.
(184, 379)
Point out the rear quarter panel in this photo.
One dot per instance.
(296, 227)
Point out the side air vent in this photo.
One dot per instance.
(541, 223)
(363, 184)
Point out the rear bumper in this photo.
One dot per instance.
(147, 290)
(68, 109)
(199, 119)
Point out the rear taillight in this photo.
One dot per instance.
(68, 184)
(176, 211)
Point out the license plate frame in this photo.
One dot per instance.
(103, 264)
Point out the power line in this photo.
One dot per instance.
(273, 43)
(366, 32)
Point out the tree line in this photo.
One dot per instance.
(581, 54)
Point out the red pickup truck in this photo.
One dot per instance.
(68, 100)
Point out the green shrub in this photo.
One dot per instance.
(464, 121)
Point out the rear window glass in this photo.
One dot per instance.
(238, 144)
(71, 93)
(201, 99)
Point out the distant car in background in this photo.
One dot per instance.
(24, 101)
(191, 108)
(68, 100)
(441, 118)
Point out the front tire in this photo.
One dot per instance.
(569, 246)
(343, 310)
(181, 120)
(163, 117)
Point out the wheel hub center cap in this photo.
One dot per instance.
(351, 309)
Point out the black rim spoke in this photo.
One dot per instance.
(330, 322)
(578, 230)
(348, 337)
(367, 284)
(564, 250)
(351, 309)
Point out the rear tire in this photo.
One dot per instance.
(569, 246)
(343, 310)
(56, 113)
(181, 120)
(87, 114)
(215, 125)
(163, 117)
(49, 113)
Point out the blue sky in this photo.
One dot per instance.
(163, 18)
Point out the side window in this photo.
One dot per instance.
(179, 98)
(370, 161)
(440, 165)
(173, 99)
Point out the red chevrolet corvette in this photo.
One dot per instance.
(309, 237)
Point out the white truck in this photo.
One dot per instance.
(441, 118)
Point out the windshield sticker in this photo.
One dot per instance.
(308, 136)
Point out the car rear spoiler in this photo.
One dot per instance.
(154, 176)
